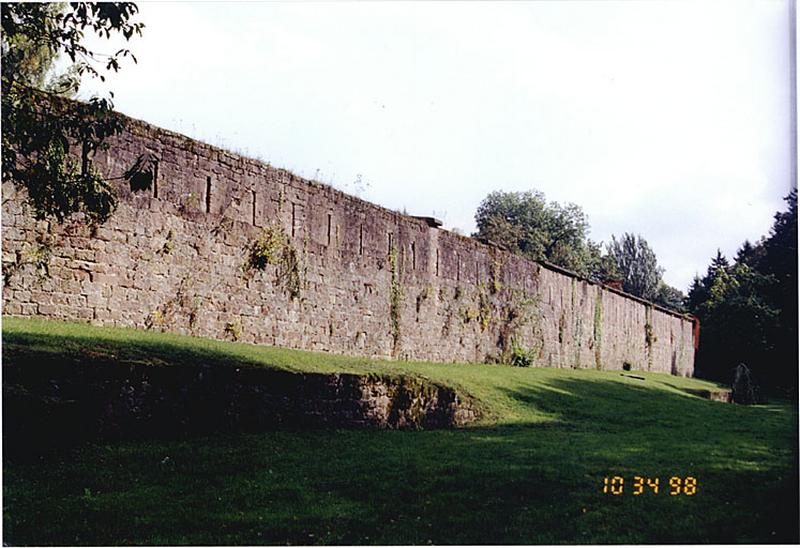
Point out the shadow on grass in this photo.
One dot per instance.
(523, 483)
(526, 483)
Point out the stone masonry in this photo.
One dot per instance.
(354, 278)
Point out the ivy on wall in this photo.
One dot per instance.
(36, 255)
(649, 336)
(598, 328)
(395, 296)
(274, 247)
(186, 303)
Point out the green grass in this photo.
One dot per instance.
(529, 472)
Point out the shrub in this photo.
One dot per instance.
(268, 249)
(274, 247)
(520, 356)
(234, 329)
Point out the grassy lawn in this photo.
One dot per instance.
(530, 472)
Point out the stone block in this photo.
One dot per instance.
(83, 314)
(49, 310)
(102, 315)
(12, 308)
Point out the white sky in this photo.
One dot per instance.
(668, 119)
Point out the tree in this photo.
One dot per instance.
(36, 59)
(779, 255)
(748, 310)
(524, 223)
(737, 323)
(41, 135)
(670, 297)
(637, 265)
(750, 254)
(700, 290)
(780, 262)
(602, 267)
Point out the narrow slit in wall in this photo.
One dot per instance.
(361, 239)
(329, 228)
(458, 267)
(208, 194)
(155, 179)
(390, 242)
(294, 207)
(413, 256)
(254, 208)
(437, 262)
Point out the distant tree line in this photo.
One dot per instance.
(748, 309)
(526, 224)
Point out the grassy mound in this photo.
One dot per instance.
(530, 472)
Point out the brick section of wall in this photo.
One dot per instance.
(371, 281)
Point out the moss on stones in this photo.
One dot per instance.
(395, 297)
(598, 328)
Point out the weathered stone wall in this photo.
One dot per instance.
(50, 400)
(366, 281)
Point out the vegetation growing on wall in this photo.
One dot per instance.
(495, 269)
(274, 247)
(191, 203)
(521, 356)
(517, 310)
(577, 340)
(649, 336)
(469, 314)
(577, 333)
(395, 296)
(233, 329)
(267, 249)
(194, 310)
(155, 319)
(223, 227)
(185, 304)
(305, 259)
(598, 328)
(169, 244)
(37, 255)
(484, 308)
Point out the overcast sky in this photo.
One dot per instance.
(668, 119)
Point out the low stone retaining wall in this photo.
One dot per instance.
(722, 395)
(104, 399)
(725, 396)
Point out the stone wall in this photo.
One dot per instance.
(355, 279)
(51, 401)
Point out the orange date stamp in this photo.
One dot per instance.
(676, 486)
